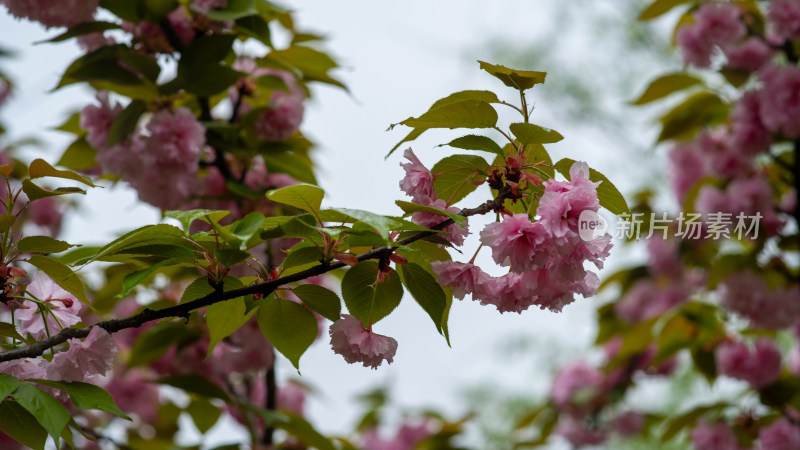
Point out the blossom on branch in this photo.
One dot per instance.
(357, 344)
(53, 13)
(84, 359)
(62, 308)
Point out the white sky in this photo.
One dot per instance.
(398, 58)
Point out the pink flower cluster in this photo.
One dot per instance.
(759, 365)
(284, 113)
(747, 294)
(357, 344)
(161, 163)
(546, 258)
(53, 13)
(714, 436)
(579, 389)
(780, 435)
(780, 100)
(150, 37)
(418, 184)
(784, 15)
(83, 361)
(715, 25)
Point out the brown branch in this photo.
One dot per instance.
(265, 288)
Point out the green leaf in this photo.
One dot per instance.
(61, 274)
(689, 418)
(223, 318)
(133, 279)
(155, 341)
(78, 156)
(302, 254)
(455, 176)
(49, 412)
(8, 330)
(428, 294)
(301, 196)
(666, 85)
(700, 110)
(142, 239)
(125, 123)
(83, 29)
(87, 396)
(102, 69)
(211, 80)
(475, 142)
(366, 220)
(528, 133)
(234, 10)
(313, 64)
(206, 50)
(247, 228)
(289, 326)
(366, 299)
(35, 192)
(608, 194)
(460, 96)
(301, 429)
(517, 79)
(40, 168)
(21, 425)
(42, 244)
(9, 383)
(187, 217)
(322, 300)
(410, 208)
(203, 413)
(463, 114)
(124, 9)
(255, 27)
(659, 7)
(196, 384)
(6, 221)
(291, 164)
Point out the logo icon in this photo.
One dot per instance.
(591, 225)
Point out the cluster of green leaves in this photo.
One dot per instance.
(458, 175)
(29, 414)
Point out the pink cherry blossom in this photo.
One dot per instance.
(750, 55)
(134, 394)
(748, 133)
(53, 13)
(84, 359)
(780, 100)
(356, 344)
(687, 167)
(749, 198)
(579, 433)
(716, 436)
(25, 368)
(246, 350)
(720, 158)
(418, 182)
(517, 242)
(63, 307)
(454, 233)
(176, 140)
(97, 119)
(47, 213)
(292, 397)
(663, 257)
(578, 388)
(647, 299)
(759, 366)
(784, 15)
(628, 424)
(204, 6)
(463, 278)
(509, 293)
(563, 202)
(284, 113)
(716, 24)
(780, 435)
(747, 294)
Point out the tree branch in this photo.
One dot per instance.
(265, 288)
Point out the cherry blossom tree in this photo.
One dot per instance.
(246, 261)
